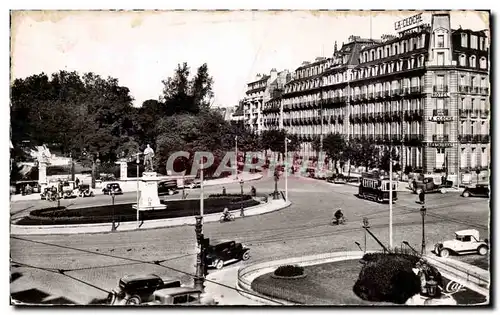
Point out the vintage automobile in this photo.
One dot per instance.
(180, 296)
(194, 184)
(337, 179)
(477, 191)
(431, 184)
(225, 252)
(85, 191)
(138, 289)
(465, 242)
(69, 190)
(167, 187)
(112, 187)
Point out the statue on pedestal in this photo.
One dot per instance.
(148, 159)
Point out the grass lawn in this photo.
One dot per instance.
(325, 284)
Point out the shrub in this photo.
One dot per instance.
(390, 278)
(289, 271)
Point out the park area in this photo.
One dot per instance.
(125, 212)
(332, 284)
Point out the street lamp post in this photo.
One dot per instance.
(137, 187)
(366, 225)
(112, 193)
(286, 168)
(276, 178)
(236, 155)
(478, 171)
(423, 211)
(199, 277)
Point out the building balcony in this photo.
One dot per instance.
(485, 138)
(387, 93)
(396, 92)
(406, 91)
(378, 94)
(485, 91)
(475, 90)
(440, 112)
(474, 113)
(440, 137)
(415, 90)
(440, 88)
(484, 113)
(413, 139)
(465, 138)
(463, 88)
(370, 95)
(463, 113)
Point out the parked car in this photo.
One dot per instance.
(167, 187)
(85, 191)
(465, 242)
(431, 184)
(112, 187)
(479, 190)
(139, 289)
(69, 189)
(337, 179)
(180, 296)
(222, 253)
(194, 184)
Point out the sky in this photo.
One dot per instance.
(143, 48)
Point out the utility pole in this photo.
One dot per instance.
(236, 157)
(390, 190)
(286, 168)
(199, 278)
(137, 188)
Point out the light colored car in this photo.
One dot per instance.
(181, 296)
(465, 242)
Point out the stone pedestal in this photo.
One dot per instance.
(42, 173)
(123, 169)
(148, 193)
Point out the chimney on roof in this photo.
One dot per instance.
(335, 47)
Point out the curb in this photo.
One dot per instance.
(271, 206)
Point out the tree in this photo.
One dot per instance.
(386, 159)
(334, 145)
(316, 144)
(182, 95)
(350, 153)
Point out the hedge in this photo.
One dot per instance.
(125, 212)
(390, 278)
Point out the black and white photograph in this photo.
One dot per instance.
(221, 158)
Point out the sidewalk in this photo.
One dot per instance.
(227, 294)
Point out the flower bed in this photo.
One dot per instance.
(125, 212)
(289, 272)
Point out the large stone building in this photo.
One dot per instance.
(424, 92)
(260, 91)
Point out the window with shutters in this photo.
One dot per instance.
(440, 59)
(473, 158)
(463, 158)
(440, 158)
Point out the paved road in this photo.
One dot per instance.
(301, 229)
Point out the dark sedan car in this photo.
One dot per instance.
(478, 191)
(222, 253)
(112, 188)
(167, 188)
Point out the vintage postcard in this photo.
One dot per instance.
(256, 158)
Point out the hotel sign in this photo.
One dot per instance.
(440, 144)
(440, 118)
(440, 94)
(411, 21)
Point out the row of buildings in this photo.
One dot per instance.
(425, 91)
